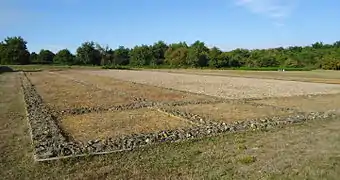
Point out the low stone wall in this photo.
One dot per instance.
(49, 141)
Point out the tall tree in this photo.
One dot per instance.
(64, 56)
(198, 55)
(106, 54)
(34, 58)
(13, 50)
(171, 49)
(141, 55)
(121, 56)
(158, 52)
(214, 57)
(178, 57)
(87, 54)
(46, 56)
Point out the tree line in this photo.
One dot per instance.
(13, 50)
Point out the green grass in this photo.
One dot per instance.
(246, 159)
(34, 68)
(305, 151)
(269, 69)
(233, 68)
(117, 67)
(37, 67)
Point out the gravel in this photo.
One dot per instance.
(225, 87)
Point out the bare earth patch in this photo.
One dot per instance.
(317, 76)
(148, 92)
(219, 86)
(224, 112)
(318, 103)
(114, 124)
(64, 93)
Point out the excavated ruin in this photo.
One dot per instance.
(50, 142)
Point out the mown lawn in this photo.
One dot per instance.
(305, 151)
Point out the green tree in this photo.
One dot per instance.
(64, 56)
(141, 55)
(168, 54)
(34, 58)
(46, 57)
(336, 44)
(106, 54)
(240, 57)
(87, 54)
(197, 55)
(178, 57)
(13, 50)
(214, 57)
(158, 52)
(121, 56)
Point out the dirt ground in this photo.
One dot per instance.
(114, 124)
(221, 86)
(317, 76)
(63, 93)
(301, 151)
(225, 112)
(148, 92)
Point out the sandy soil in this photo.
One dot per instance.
(226, 87)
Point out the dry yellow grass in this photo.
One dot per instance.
(64, 93)
(138, 90)
(317, 103)
(292, 152)
(112, 124)
(224, 112)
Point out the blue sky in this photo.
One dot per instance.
(227, 24)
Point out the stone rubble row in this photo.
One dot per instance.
(50, 142)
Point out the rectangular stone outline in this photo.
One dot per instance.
(210, 129)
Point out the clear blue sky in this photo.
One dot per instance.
(228, 24)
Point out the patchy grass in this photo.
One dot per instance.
(315, 103)
(41, 67)
(305, 151)
(229, 112)
(114, 124)
(151, 93)
(246, 159)
(64, 93)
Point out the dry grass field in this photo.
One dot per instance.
(316, 103)
(131, 88)
(65, 94)
(225, 112)
(91, 126)
(299, 151)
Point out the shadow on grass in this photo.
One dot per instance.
(6, 69)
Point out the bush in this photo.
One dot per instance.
(117, 67)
